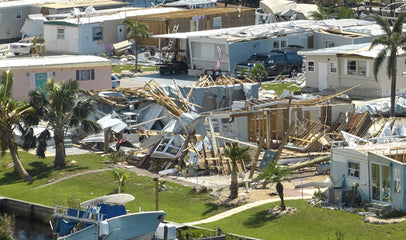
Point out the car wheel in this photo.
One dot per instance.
(293, 72)
(261, 77)
(16, 54)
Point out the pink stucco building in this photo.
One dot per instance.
(32, 72)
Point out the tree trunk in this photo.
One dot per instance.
(136, 56)
(279, 189)
(234, 181)
(59, 150)
(393, 93)
(17, 162)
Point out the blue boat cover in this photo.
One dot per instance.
(112, 211)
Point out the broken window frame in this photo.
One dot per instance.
(97, 33)
(353, 169)
(167, 146)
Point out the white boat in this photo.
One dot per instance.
(106, 218)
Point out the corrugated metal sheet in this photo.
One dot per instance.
(82, 60)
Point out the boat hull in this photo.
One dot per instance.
(135, 226)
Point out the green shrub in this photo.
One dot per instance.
(6, 225)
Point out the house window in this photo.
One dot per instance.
(361, 68)
(333, 67)
(329, 44)
(84, 75)
(352, 67)
(276, 44)
(310, 66)
(217, 23)
(194, 25)
(19, 15)
(61, 33)
(358, 68)
(353, 169)
(97, 33)
(280, 43)
(284, 43)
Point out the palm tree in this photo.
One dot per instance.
(235, 153)
(121, 176)
(320, 14)
(391, 41)
(258, 73)
(275, 174)
(134, 30)
(11, 111)
(60, 107)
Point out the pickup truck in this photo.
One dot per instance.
(275, 62)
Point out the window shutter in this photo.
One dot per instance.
(77, 75)
(92, 74)
(367, 68)
(345, 66)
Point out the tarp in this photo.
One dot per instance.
(288, 8)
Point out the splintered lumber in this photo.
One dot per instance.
(207, 81)
(161, 98)
(306, 135)
(309, 163)
(254, 164)
(323, 99)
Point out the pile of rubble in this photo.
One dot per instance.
(177, 128)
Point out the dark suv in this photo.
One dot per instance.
(275, 62)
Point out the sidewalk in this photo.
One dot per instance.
(240, 209)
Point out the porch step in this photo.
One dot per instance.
(379, 208)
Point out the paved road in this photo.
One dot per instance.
(139, 81)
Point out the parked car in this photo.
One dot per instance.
(24, 46)
(115, 81)
(172, 67)
(276, 62)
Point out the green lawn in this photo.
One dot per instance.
(84, 187)
(279, 87)
(181, 204)
(307, 223)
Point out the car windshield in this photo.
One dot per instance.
(256, 58)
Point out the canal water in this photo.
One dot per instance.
(27, 230)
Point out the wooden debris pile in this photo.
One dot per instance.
(305, 137)
(208, 81)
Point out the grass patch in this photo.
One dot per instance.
(307, 223)
(130, 67)
(179, 202)
(280, 87)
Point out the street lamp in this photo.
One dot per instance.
(156, 193)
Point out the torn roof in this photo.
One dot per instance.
(57, 60)
(196, 12)
(362, 49)
(358, 28)
(279, 7)
(126, 13)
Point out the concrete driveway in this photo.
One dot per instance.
(164, 79)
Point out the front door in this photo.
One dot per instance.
(380, 182)
(322, 76)
(120, 33)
